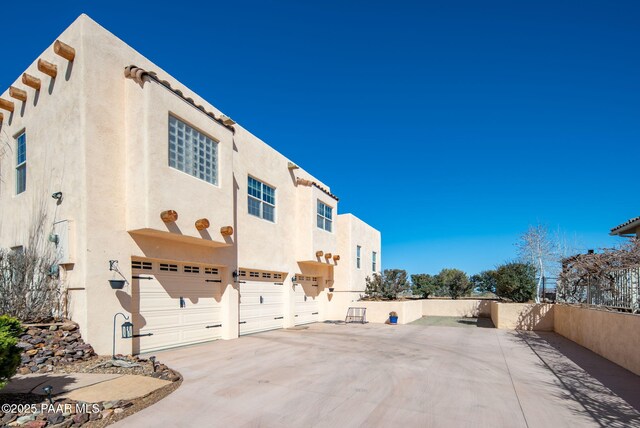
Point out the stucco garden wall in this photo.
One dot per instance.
(614, 335)
(456, 308)
(378, 312)
(523, 316)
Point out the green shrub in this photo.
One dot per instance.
(10, 331)
(386, 285)
(516, 282)
(484, 282)
(454, 282)
(424, 285)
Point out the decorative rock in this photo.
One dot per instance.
(108, 405)
(53, 328)
(25, 345)
(55, 418)
(31, 352)
(40, 360)
(68, 326)
(81, 418)
(8, 417)
(118, 411)
(34, 369)
(24, 370)
(24, 419)
(95, 416)
(35, 424)
(106, 413)
(64, 424)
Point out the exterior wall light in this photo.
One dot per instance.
(127, 331)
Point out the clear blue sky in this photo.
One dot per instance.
(450, 126)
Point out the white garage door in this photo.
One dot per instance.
(306, 306)
(177, 304)
(261, 306)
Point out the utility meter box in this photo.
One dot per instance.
(64, 238)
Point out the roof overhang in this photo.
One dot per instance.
(628, 227)
(315, 263)
(175, 237)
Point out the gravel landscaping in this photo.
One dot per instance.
(58, 348)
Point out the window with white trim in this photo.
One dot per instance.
(358, 250)
(192, 152)
(325, 216)
(261, 200)
(374, 261)
(21, 163)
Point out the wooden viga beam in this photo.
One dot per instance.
(226, 230)
(202, 224)
(31, 81)
(336, 257)
(18, 94)
(1, 119)
(327, 256)
(169, 216)
(7, 105)
(47, 68)
(319, 253)
(64, 50)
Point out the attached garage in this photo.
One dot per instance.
(306, 304)
(262, 302)
(174, 304)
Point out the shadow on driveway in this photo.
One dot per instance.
(589, 379)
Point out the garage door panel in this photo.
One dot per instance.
(200, 317)
(306, 307)
(261, 307)
(159, 307)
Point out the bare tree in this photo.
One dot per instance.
(611, 274)
(538, 249)
(29, 289)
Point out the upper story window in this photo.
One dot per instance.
(358, 251)
(261, 200)
(374, 261)
(325, 216)
(192, 152)
(21, 163)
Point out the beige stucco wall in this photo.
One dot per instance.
(614, 335)
(522, 316)
(354, 232)
(456, 308)
(102, 140)
(378, 312)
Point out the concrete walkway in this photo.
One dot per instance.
(405, 376)
(87, 387)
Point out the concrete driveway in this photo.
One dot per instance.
(330, 375)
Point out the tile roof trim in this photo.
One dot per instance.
(138, 75)
(626, 223)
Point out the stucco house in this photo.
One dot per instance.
(216, 233)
